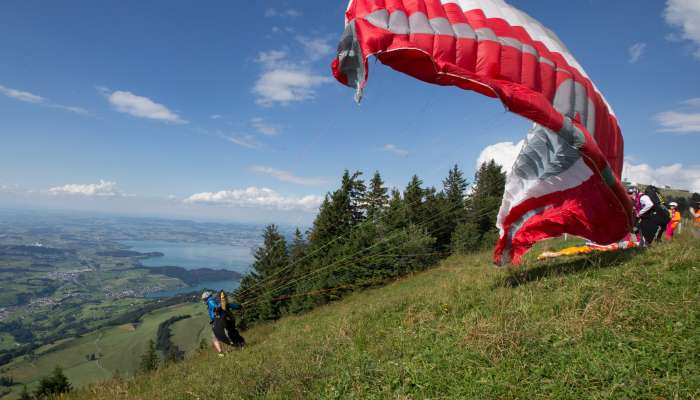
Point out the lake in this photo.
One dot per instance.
(190, 255)
(194, 255)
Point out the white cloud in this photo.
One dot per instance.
(685, 120)
(636, 51)
(286, 176)
(287, 85)
(142, 107)
(272, 58)
(504, 154)
(283, 81)
(676, 176)
(36, 99)
(216, 116)
(101, 189)
(256, 197)
(394, 149)
(290, 12)
(685, 15)
(315, 48)
(248, 141)
(264, 127)
(22, 96)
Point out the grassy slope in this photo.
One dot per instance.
(121, 347)
(607, 326)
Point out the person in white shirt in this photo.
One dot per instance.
(650, 221)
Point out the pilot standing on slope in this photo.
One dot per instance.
(222, 323)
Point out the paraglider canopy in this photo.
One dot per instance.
(567, 176)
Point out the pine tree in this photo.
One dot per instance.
(149, 360)
(483, 205)
(377, 198)
(297, 250)
(455, 187)
(454, 209)
(272, 255)
(340, 211)
(440, 218)
(54, 385)
(413, 197)
(356, 192)
(266, 276)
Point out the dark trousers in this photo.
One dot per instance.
(225, 331)
(651, 227)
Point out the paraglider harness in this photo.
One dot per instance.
(659, 211)
(224, 323)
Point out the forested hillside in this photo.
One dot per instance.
(365, 235)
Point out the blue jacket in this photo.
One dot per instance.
(213, 305)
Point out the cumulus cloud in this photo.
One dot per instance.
(394, 149)
(264, 127)
(256, 198)
(101, 189)
(504, 154)
(676, 176)
(216, 116)
(684, 120)
(36, 99)
(685, 15)
(286, 176)
(139, 106)
(287, 85)
(636, 51)
(284, 81)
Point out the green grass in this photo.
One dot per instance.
(121, 348)
(7, 341)
(622, 326)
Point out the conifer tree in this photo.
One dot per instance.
(149, 360)
(340, 211)
(53, 385)
(356, 191)
(395, 215)
(297, 249)
(455, 187)
(377, 197)
(259, 283)
(413, 197)
(272, 255)
(479, 230)
(454, 208)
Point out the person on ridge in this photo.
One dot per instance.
(222, 323)
(675, 220)
(695, 215)
(651, 218)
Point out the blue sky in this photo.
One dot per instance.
(153, 107)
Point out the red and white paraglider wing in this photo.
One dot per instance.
(566, 179)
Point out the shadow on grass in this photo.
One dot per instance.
(521, 276)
